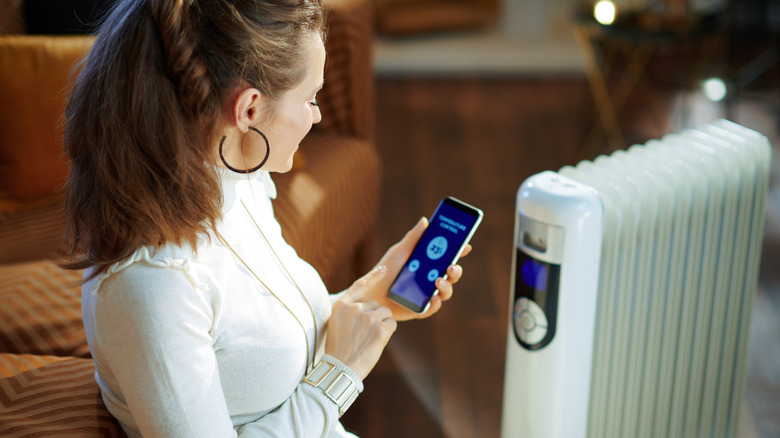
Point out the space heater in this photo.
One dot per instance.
(631, 290)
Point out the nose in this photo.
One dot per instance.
(317, 115)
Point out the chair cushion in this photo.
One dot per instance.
(48, 395)
(30, 230)
(41, 310)
(34, 72)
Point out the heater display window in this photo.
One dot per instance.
(534, 274)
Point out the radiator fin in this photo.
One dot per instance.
(683, 221)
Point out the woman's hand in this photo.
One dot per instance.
(364, 318)
(358, 329)
(394, 260)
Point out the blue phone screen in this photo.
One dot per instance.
(438, 247)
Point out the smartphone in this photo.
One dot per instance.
(449, 231)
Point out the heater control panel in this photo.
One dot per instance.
(535, 301)
(530, 321)
(536, 279)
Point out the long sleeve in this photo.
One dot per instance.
(155, 340)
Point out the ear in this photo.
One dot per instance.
(247, 108)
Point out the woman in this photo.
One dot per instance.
(201, 320)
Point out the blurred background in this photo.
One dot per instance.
(474, 96)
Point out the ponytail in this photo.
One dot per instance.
(142, 118)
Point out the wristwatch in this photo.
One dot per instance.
(337, 385)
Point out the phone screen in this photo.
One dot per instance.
(450, 228)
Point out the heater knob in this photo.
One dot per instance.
(530, 321)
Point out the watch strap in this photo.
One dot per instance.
(335, 383)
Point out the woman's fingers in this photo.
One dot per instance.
(444, 285)
(363, 288)
(454, 273)
(358, 332)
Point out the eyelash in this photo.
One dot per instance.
(314, 102)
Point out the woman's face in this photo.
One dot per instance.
(294, 113)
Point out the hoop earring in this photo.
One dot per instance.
(254, 169)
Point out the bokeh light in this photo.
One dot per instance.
(714, 89)
(604, 12)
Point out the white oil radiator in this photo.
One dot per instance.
(631, 291)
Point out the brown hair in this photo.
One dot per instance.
(143, 113)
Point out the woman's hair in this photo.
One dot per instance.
(144, 112)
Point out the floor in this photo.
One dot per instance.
(478, 138)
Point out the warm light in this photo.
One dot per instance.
(714, 89)
(604, 12)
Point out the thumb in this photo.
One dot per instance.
(406, 245)
(395, 256)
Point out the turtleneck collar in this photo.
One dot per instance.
(231, 181)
